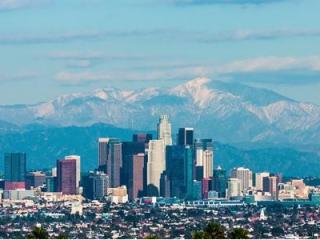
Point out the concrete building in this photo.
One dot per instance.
(234, 188)
(245, 177)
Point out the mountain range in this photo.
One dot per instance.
(227, 112)
(44, 145)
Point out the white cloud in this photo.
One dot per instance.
(255, 65)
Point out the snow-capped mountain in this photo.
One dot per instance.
(225, 111)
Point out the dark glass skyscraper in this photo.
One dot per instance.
(15, 165)
(219, 182)
(185, 137)
(128, 150)
(179, 170)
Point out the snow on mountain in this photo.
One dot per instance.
(226, 111)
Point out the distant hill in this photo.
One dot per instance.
(44, 145)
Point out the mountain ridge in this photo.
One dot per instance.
(228, 112)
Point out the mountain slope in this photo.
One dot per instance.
(224, 111)
(45, 145)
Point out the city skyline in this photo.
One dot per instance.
(99, 44)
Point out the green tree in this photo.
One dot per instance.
(212, 231)
(39, 233)
(238, 233)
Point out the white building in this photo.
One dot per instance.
(156, 162)
(207, 161)
(164, 130)
(245, 177)
(233, 188)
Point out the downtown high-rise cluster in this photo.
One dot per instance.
(149, 167)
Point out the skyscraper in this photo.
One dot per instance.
(245, 177)
(15, 167)
(136, 176)
(185, 137)
(259, 180)
(179, 170)
(110, 159)
(164, 130)
(219, 182)
(78, 174)
(203, 158)
(156, 165)
(138, 145)
(67, 175)
(103, 153)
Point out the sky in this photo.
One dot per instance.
(53, 47)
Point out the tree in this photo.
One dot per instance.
(211, 231)
(238, 233)
(39, 233)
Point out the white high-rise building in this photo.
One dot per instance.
(164, 130)
(156, 162)
(259, 180)
(245, 177)
(204, 156)
(233, 188)
(77, 159)
(207, 161)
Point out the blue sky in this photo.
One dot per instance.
(54, 47)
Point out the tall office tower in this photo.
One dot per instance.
(114, 162)
(35, 179)
(233, 188)
(78, 170)
(164, 130)
(15, 167)
(203, 158)
(136, 173)
(14, 170)
(270, 184)
(185, 137)
(67, 179)
(155, 166)
(110, 159)
(219, 182)
(141, 137)
(103, 153)
(259, 180)
(96, 185)
(164, 185)
(128, 150)
(245, 177)
(179, 170)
